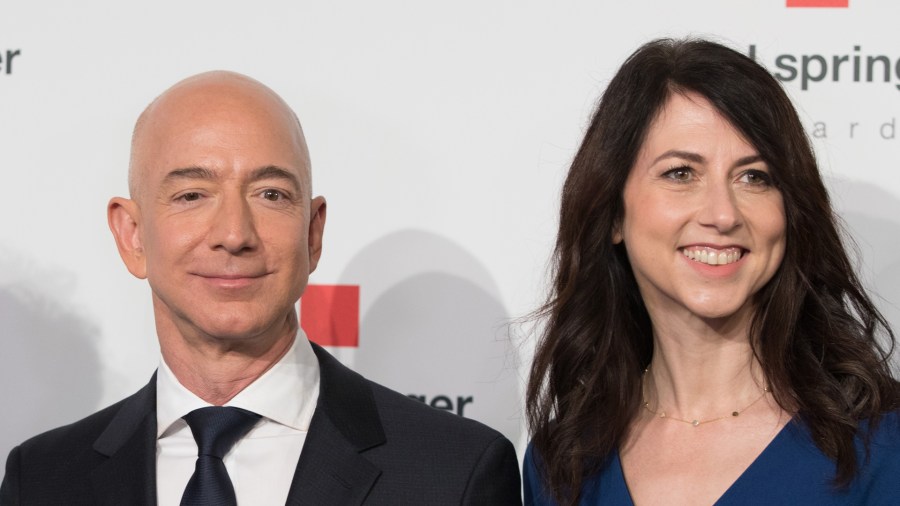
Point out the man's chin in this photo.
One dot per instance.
(250, 340)
(237, 330)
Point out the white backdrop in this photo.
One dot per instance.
(440, 133)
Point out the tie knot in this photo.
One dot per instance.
(217, 428)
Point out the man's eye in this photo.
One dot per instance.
(190, 196)
(273, 195)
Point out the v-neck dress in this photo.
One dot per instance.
(790, 471)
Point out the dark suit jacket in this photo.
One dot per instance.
(366, 445)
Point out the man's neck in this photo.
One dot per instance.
(216, 371)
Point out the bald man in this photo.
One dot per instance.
(222, 224)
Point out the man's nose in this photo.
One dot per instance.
(720, 208)
(233, 228)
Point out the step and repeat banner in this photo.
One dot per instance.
(440, 133)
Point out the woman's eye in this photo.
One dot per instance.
(756, 178)
(681, 174)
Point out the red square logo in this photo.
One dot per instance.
(329, 314)
(818, 3)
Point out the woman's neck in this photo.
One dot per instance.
(701, 370)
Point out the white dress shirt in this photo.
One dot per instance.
(262, 464)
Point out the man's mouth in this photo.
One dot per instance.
(713, 256)
(231, 275)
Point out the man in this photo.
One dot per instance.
(223, 226)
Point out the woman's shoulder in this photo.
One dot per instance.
(532, 480)
(604, 485)
(879, 461)
(534, 491)
(884, 437)
(530, 455)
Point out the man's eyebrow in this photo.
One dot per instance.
(275, 172)
(189, 173)
(267, 172)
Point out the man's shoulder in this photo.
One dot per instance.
(400, 415)
(84, 431)
(80, 433)
(84, 434)
(424, 454)
(403, 413)
(57, 466)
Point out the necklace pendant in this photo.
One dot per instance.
(695, 422)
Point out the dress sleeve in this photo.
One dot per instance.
(534, 492)
(882, 471)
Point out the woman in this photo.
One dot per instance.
(707, 339)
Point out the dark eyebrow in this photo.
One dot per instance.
(694, 157)
(747, 160)
(686, 155)
(275, 172)
(189, 173)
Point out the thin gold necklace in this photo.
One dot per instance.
(695, 422)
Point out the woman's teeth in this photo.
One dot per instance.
(712, 256)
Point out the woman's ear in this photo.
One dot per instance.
(617, 233)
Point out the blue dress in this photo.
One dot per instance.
(790, 471)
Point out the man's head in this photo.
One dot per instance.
(221, 221)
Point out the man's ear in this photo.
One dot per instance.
(124, 218)
(317, 210)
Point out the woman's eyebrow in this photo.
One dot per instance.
(697, 158)
(685, 155)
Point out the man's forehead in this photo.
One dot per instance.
(210, 89)
(216, 109)
(218, 104)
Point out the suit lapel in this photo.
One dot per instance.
(128, 476)
(331, 469)
(346, 423)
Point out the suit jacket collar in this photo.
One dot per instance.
(128, 476)
(331, 469)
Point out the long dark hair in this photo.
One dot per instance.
(815, 331)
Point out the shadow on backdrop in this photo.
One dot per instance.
(49, 367)
(865, 209)
(434, 328)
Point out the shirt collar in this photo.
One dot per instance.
(286, 393)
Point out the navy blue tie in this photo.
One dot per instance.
(216, 429)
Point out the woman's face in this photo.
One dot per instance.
(703, 226)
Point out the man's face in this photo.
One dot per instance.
(226, 232)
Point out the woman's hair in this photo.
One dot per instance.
(815, 332)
